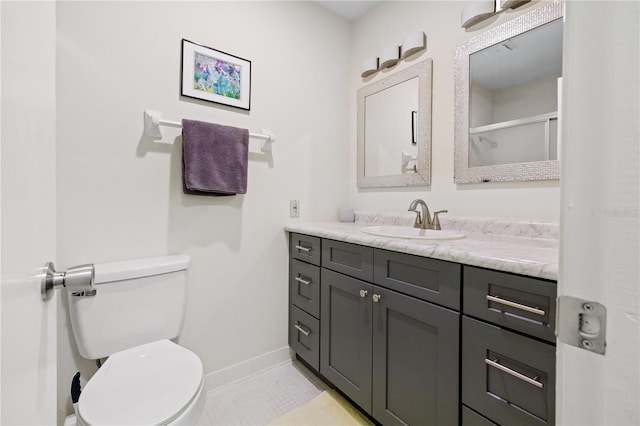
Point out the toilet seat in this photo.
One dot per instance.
(150, 384)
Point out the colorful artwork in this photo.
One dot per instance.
(216, 76)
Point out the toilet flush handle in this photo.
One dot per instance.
(76, 279)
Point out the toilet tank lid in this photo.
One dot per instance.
(138, 268)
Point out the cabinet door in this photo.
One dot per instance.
(415, 361)
(304, 336)
(523, 304)
(305, 248)
(432, 280)
(304, 287)
(508, 378)
(349, 259)
(345, 335)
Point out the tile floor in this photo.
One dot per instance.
(264, 397)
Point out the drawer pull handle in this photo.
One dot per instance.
(304, 249)
(507, 370)
(302, 280)
(300, 329)
(515, 305)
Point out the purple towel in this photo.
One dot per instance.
(215, 158)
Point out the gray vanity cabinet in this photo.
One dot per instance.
(346, 338)
(394, 355)
(385, 328)
(304, 298)
(508, 348)
(415, 361)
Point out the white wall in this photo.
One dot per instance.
(119, 193)
(388, 23)
(525, 100)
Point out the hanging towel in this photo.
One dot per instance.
(215, 158)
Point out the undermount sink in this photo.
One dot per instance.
(411, 233)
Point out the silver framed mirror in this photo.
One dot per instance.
(507, 88)
(394, 129)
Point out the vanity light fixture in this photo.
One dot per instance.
(369, 66)
(510, 4)
(478, 11)
(390, 56)
(413, 43)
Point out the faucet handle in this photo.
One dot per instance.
(436, 220)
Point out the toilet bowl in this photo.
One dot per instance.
(137, 306)
(158, 383)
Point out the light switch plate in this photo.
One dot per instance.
(294, 208)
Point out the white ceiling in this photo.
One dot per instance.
(351, 10)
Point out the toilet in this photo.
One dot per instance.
(135, 308)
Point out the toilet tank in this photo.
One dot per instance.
(137, 301)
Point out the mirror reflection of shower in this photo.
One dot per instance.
(513, 98)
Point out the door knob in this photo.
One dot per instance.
(76, 279)
(376, 297)
(363, 293)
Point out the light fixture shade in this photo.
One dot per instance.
(413, 43)
(389, 57)
(476, 11)
(369, 66)
(512, 4)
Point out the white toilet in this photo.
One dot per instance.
(147, 379)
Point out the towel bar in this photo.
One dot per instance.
(152, 123)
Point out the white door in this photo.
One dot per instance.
(599, 243)
(28, 203)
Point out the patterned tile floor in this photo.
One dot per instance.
(259, 399)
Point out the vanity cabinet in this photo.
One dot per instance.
(508, 349)
(304, 298)
(389, 329)
(419, 341)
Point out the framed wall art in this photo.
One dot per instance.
(215, 76)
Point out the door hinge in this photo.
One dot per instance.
(581, 323)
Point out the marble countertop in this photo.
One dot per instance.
(519, 247)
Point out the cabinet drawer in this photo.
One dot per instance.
(508, 378)
(427, 279)
(349, 259)
(305, 336)
(305, 247)
(520, 303)
(471, 418)
(304, 287)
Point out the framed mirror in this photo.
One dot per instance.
(507, 89)
(394, 129)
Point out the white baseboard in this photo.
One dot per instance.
(247, 368)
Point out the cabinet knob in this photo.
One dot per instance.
(376, 297)
(363, 293)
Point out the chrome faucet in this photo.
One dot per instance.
(422, 221)
(423, 217)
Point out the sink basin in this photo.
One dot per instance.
(411, 233)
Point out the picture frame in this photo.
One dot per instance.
(212, 75)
